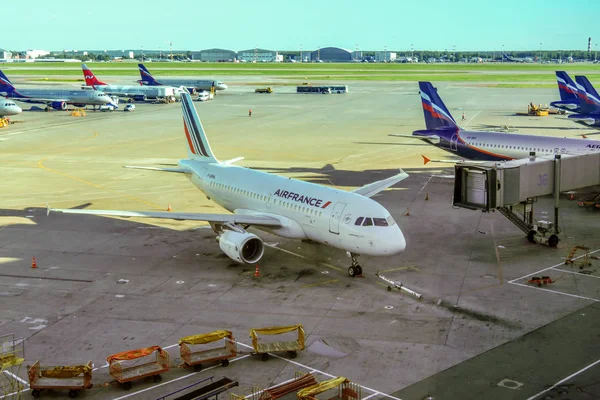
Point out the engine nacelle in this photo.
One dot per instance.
(244, 248)
(59, 105)
(79, 105)
(140, 97)
(191, 90)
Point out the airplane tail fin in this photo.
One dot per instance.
(90, 78)
(566, 87)
(436, 114)
(506, 57)
(198, 146)
(5, 83)
(590, 101)
(147, 78)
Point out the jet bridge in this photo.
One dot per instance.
(512, 187)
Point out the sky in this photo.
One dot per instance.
(307, 24)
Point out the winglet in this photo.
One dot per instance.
(48, 209)
(425, 159)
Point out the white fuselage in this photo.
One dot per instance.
(85, 97)
(151, 92)
(8, 107)
(307, 210)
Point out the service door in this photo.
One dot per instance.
(454, 142)
(336, 216)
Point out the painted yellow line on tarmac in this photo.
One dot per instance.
(303, 257)
(319, 283)
(402, 268)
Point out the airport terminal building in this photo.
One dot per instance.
(215, 55)
(331, 54)
(258, 55)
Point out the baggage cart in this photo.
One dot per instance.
(194, 351)
(292, 347)
(346, 390)
(132, 365)
(72, 378)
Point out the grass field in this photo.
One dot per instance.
(507, 73)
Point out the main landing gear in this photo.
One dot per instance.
(355, 269)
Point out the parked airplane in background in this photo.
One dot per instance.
(192, 85)
(8, 107)
(138, 93)
(567, 89)
(508, 58)
(589, 103)
(287, 207)
(55, 98)
(443, 132)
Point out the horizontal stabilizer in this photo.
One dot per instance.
(428, 160)
(180, 170)
(372, 189)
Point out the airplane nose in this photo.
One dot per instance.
(397, 242)
(17, 109)
(223, 86)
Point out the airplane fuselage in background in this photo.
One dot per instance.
(309, 211)
(198, 84)
(77, 97)
(8, 107)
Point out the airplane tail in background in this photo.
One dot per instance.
(566, 87)
(436, 114)
(147, 78)
(198, 146)
(5, 83)
(90, 79)
(505, 57)
(590, 101)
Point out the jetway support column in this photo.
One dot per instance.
(557, 171)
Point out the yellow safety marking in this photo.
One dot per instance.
(319, 283)
(412, 267)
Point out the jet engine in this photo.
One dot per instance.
(242, 247)
(59, 105)
(140, 97)
(191, 90)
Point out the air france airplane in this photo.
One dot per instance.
(8, 107)
(567, 89)
(287, 207)
(191, 84)
(138, 93)
(55, 98)
(443, 132)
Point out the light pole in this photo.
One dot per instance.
(540, 51)
(301, 52)
(454, 51)
(384, 53)
(412, 55)
(502, 53)
(142, 54)
(318, 53)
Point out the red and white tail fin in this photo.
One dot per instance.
(198, 147)
(90, 78)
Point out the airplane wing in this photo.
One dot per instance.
(432, 139)
(179, 170)
(40, 100)
(260, 220)
(372, 189)
(449, 161)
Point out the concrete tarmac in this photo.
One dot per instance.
(472, 268)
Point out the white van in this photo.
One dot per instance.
(204, 96)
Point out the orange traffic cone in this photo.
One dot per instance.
(256, 273)
(407, 213)
(426, 196)
(33, 263)
(169, 208)
(571, 196)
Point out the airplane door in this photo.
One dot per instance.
(454, 142)
(336, 215)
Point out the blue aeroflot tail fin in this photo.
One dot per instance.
(589, 99)
(436, 114)
(566, 87)
(147, 78)
(5, 83)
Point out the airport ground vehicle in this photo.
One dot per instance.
(204, 96)
(129, 107)
(313, 89)
(107, 107)
(131, 365)
(591, 203)
(339, 89)
(71, 378)
(194, 356)
(264, 90)
(291, 346)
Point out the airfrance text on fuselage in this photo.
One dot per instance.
(312, 201)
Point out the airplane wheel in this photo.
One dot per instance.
(553, 241)
(352, 271)
(358, 270)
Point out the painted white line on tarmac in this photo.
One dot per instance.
(177, 379)
(564, 380)
(545, 269)
(557, 292)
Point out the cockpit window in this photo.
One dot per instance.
(390, 220)
(380, 222)
(368, 222)
(359, 221)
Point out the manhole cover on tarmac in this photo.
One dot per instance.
(509, 384)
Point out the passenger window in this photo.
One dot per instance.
(359, 221)
(380, 222)
(368, 222)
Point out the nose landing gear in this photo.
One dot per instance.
(355, 269)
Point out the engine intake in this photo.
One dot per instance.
(245, 248)
(59, 105)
